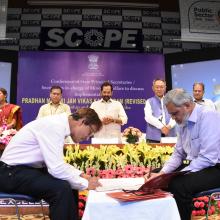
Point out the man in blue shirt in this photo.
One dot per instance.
(199, 143)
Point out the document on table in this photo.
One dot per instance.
(120, 184)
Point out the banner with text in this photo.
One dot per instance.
(81, 74)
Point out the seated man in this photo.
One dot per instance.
(198, 143)
(33, 162)
(10, 114)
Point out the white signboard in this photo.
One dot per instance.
(200, 20)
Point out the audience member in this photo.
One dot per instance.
(159, 122)
(111, 113)
(10, 114)
(55, 106)
(33, 162)
(198, 144)
(198, 93)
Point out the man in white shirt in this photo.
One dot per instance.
(33, 162)
(198, 93)
(55, 106)
(159, 123)
(111, 113)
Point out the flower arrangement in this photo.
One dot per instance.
(108, 157)
(129, 171)
(82, 202)
(110, 161)
(201, 204)
(6, 135)
(132, 135)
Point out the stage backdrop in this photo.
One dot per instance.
(80, 74)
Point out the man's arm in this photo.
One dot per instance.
(205, 145)
(51, 145)
(176, 158)
(41, 112)
(122, 116)
(150, 118)
(68, 110)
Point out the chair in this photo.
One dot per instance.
(14, 198)
(212, 193)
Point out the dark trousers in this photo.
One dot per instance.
(185, 187)
(62, 200)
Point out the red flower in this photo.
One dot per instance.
(194, 212)
(197, 204)
(91, 171)
(81, 213)
(110, 173)
(81, 205)
(201, 204)
(128, 169)
(140, 171)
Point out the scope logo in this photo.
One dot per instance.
(76, 38)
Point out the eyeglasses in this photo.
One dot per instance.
(92, 131)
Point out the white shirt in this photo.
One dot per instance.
(113, 109)
(41, 142)
(52, 109)
(156, 122)
(207, 103)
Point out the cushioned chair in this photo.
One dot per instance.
(15, 198)
(212, 193)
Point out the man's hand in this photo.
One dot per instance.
(85, 176)
(165, 130)
(93, 183)
(107, 120)
(153, 175)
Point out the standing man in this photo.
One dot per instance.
(198, 143)
(198, 93)
(33, 162)
(159, 122)
(111, 113)
(55, 106)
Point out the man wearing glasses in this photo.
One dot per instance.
(158, 121)
(198, 143)
(33, 162)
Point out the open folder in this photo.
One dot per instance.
(160, 182)
(152, 189)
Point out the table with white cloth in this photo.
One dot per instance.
(99, 206)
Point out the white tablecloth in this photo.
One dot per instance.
(99, 206)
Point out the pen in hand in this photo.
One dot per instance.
(146, 177)
(149, 174)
